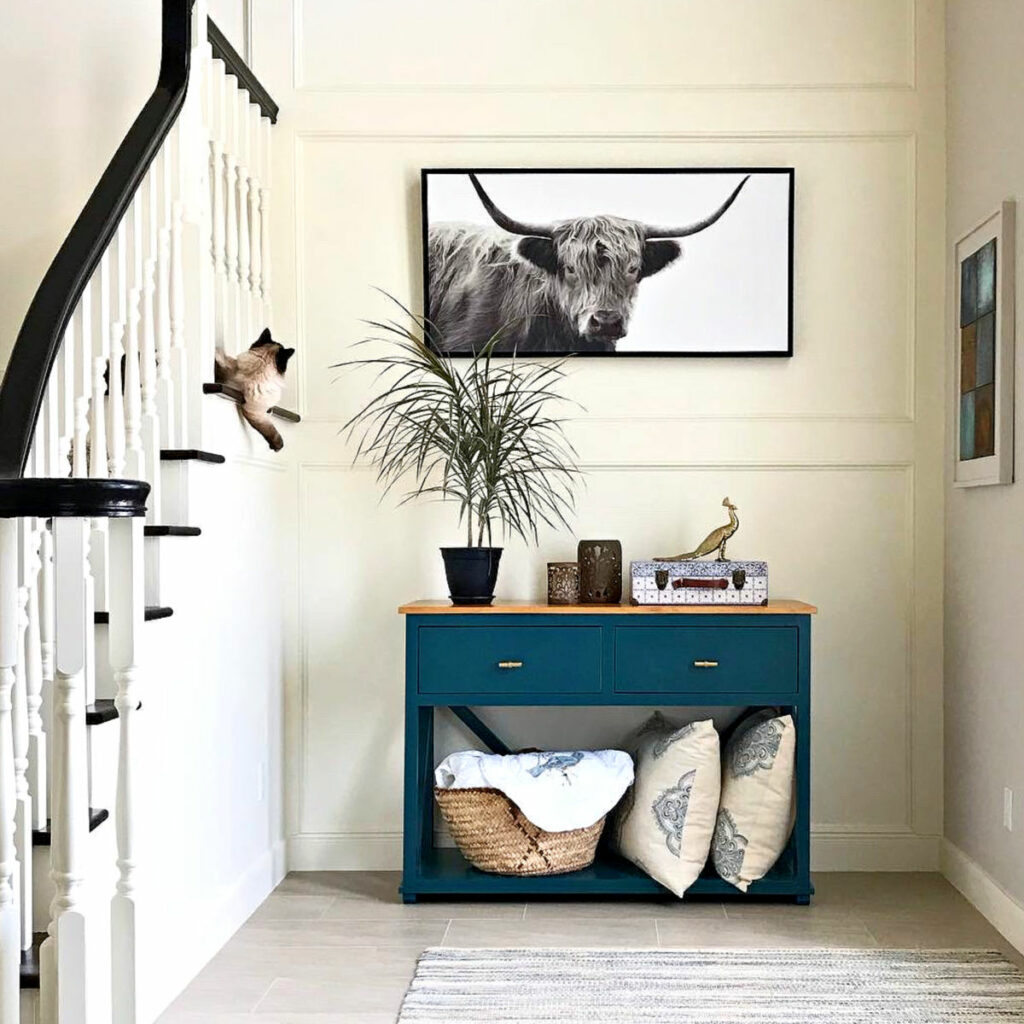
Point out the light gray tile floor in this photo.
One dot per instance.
(339, 947)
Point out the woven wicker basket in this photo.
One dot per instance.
(494, 835)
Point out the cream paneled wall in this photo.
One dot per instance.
(834, 456)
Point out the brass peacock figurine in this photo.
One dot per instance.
(715, 539)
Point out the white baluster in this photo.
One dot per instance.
(218, 213)
(134, 459)
(150, 420)
(83, 383)
(51, 419)
(126, 619)
(98, 419)
(63, 956)
(98, 444)
(256, 253)
(164, 383)
(179, 352)
(203, 279)
(66, 401)
(265, 221)
(10, 928)
(115, 401)
(36, 772)
(19, 731)
(233, 330)
(40, 640)
(242, 173)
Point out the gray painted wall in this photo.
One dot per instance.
(984, 620)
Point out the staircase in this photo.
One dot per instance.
(104, 431)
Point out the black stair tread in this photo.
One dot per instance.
(153, 612)
(189, 455)
(102, 710)
(234, 395)
(172, 531)
(30, 962)
(97, 815)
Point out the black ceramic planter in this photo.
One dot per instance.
(472, 573)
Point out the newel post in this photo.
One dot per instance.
(10, 928)
(127, 606)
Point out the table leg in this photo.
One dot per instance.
(418, 824)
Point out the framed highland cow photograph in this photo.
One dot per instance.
(638, 262)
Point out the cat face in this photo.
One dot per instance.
(280, 353)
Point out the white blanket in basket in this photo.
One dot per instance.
(557, 790)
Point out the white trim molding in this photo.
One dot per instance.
(905, 82)
(1002, 910)
(345, 851)
(873, 851)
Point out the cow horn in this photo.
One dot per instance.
(654, 231)
(516, 227)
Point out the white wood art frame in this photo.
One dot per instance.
(998, 467)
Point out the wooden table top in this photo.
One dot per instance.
(443, 606)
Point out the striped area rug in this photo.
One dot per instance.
(768, 986)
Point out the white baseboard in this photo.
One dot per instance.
(278, 861)
(830, 851)
(345, 851)
(1005, 913)
(873, 851)
(177, 959)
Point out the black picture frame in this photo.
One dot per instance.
(789, 172)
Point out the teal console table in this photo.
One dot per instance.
(590, 656)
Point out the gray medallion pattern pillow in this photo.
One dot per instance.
(755, 817)
(728, 847)
(670, 811)
(665, 822)
(756, 747)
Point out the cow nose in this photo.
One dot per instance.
(606, 321)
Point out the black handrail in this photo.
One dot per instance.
(42, 332)
(236, 66)
(83, 497)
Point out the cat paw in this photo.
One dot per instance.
(276, 443)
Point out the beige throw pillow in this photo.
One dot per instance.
(755, 818)
(666, 820)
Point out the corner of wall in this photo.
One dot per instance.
(1004, 912)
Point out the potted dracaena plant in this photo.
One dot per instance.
(476, 431)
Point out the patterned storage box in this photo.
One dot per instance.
(698, 582)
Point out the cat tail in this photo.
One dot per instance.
(261, 422)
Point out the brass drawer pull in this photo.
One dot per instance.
(510, 664)
(705, 664)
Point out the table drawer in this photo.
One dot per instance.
(674, 659)
(510, 659)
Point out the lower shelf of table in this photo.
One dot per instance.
(445, 872)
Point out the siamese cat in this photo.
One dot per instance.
(259, 375)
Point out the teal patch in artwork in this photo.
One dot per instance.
(985, 359)
(986, 274)
(969, 290)
(967, 426)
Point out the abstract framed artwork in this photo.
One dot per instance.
(983, 352)
(630, 262)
